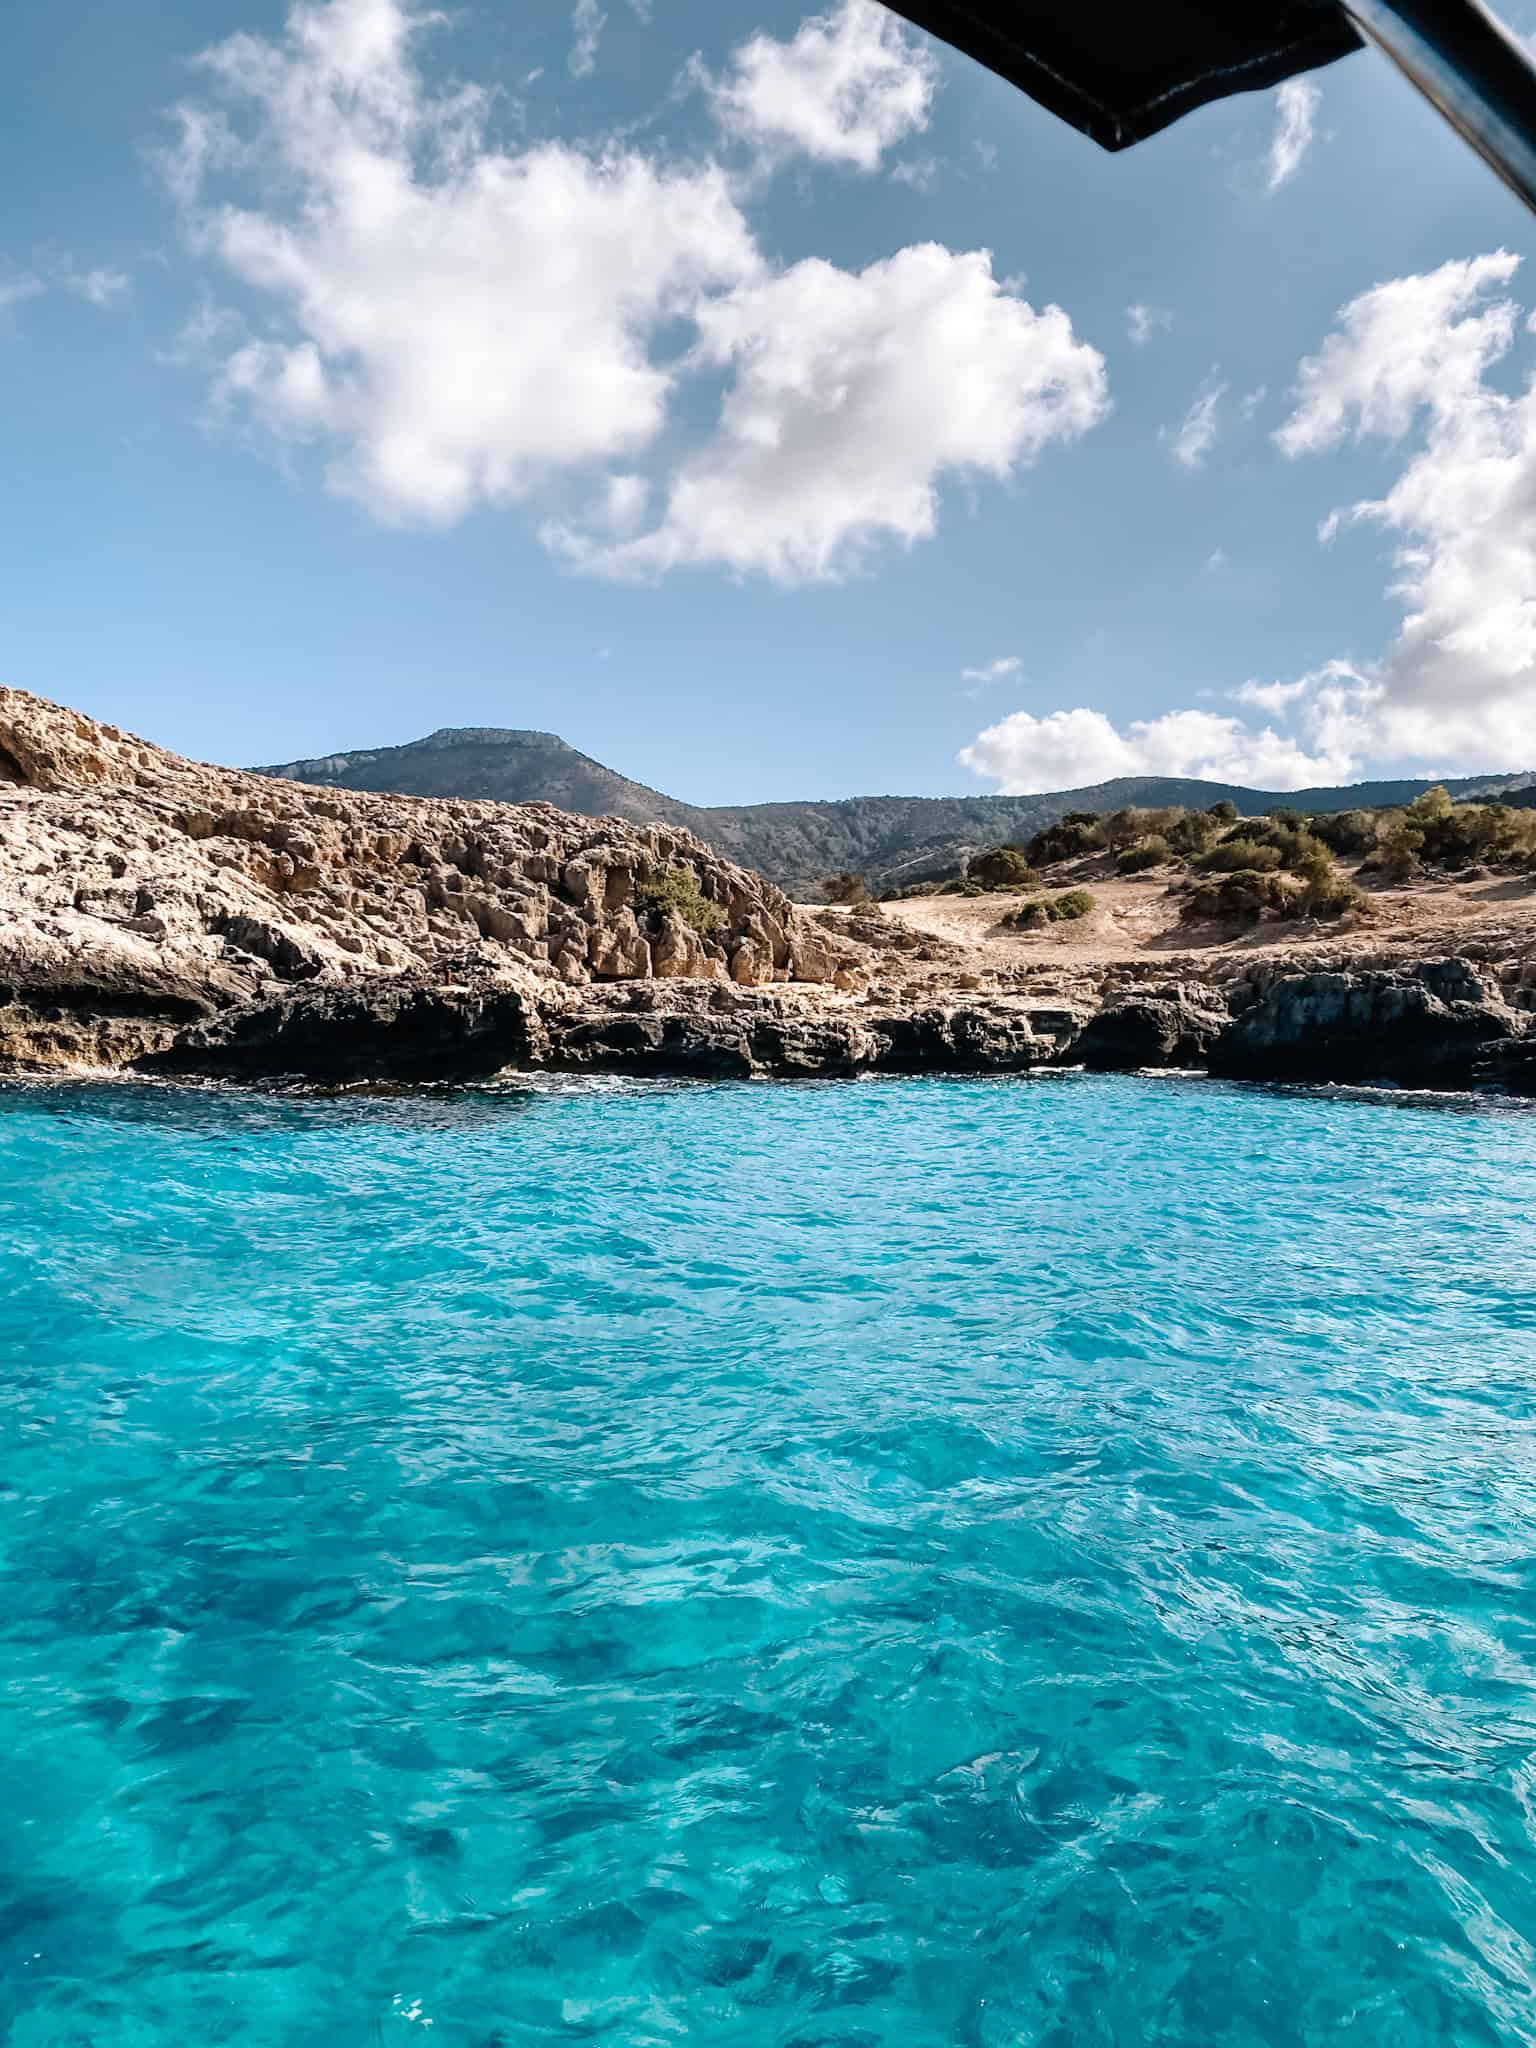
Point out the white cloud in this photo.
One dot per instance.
(587, 26)
(1296, 104)
(1143, 322)
(1192, 440)
(1274, 698)
(993, 671)
(625, 499)
(852, 395)
(456, 322)
(1414, 342)
(1216, 559)
(920, 172)
(17, 289)
(1410, 361)
(1067, 749)
(844, 89)
(98, 287)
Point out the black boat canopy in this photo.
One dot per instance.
(1122, 69)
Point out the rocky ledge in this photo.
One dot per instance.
(1437, 1025)
(162, 917)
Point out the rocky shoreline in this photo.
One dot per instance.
(158, 917)
(1438, 1024)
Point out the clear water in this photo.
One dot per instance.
(907, 1564)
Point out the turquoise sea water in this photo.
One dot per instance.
(909, 1563)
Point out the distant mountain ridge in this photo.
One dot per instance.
(889, 840)
(507, 765)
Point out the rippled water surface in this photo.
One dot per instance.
(909, 1563)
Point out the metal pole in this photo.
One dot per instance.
(1469, 66)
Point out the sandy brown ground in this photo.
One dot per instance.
(1136, 918)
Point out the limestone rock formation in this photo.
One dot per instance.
(142, 894)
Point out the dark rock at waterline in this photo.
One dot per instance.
(390, 1031)
(61, 1009)
(973, 1039)
(707, 1045)
(404, 1031)
(1514, 1065)
(1171, 1027)
(749, 1034)
(1436, 1025)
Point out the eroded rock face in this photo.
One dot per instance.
(995, 1038)
(1169, 1027)
(139, 891)
(398, 1030)
(1437, 1024)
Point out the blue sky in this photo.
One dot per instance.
(772, 403)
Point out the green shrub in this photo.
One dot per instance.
(1522, 836)
(1254, 893)
(1249, 892)
(1070, 837)
(1435, 832)
(1191, 832)
(1124, 828)
(1330, 895)
(1239, 854)
(1398, 847)
(1298, 849)
(1347, 831)
(1463, 835)
(1431, 807)
(1001, 867)
(677, 889)
(1146, 853)
(1043, 910)
(1225, 812)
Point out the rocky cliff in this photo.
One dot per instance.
(141, 894)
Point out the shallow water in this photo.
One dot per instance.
(907, 1563)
